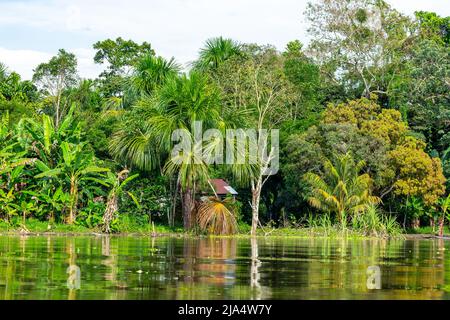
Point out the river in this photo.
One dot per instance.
(121, 267)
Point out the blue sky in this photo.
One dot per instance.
(31, 31)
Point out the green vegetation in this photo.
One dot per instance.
(363, 115)
(344, 192)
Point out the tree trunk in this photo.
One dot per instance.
(188, 206)
(110, 213)
(74, 201)
(57, 111)
(71, 217)
(174, 205)
(441, 226)
(416, 223)
(256, 196)
(341, 217)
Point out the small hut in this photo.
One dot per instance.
(222, 188)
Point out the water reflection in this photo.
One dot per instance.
(108, 267)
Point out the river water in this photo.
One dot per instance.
(119, 267)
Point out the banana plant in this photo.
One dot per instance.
(446, 155)
(50, 202)
(10, 158)
(7, 208)
(44, 139)
(445, 206)
(415, 209)
(76, 169)
(25, 208)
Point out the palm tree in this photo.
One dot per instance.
(341, 190)
(86, 95)
(215, 216)
(215, 52)
(180, 104)
(152, 72)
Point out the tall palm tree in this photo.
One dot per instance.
(152, 72)
(178, 105)
(216, 51)
(342, 189)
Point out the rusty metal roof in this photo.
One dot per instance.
(222, 187)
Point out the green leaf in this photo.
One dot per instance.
(49, 174)
(135, 200)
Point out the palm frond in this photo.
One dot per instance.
(216, 216)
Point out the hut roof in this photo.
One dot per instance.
(222, 187)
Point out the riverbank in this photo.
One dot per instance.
(36, 228)
(300, 235)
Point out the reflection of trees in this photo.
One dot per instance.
(215, 261)
(409, 269)
(208, 264)
(110, 260)
(73, 270)
(192, 268)
(255, 276)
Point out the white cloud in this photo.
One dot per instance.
(441, 7)
(174, 28)
(86, 66)
(24, 61)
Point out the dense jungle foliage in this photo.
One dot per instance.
(363, 113)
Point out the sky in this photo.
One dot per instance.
(32, 31)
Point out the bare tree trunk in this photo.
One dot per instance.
(256, 196)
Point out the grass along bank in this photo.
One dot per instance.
(36, 227)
